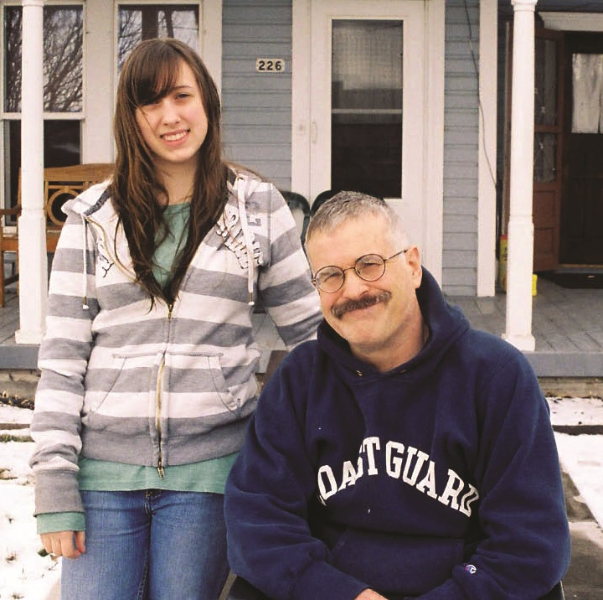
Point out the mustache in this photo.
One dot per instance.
(364, 302)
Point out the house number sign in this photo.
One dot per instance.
(270, 65)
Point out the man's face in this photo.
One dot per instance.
(380, 318)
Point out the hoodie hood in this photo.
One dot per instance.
(446, 323)
(91, 201)
(93, 207)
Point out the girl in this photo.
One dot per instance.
(148, 360)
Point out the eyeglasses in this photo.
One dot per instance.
(369, 267)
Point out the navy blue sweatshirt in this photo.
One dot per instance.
(437, 480)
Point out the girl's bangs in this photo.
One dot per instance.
(155, 79)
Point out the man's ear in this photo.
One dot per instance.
(413, 259)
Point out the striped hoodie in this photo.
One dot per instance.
(160, 385)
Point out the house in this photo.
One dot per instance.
(407, 99)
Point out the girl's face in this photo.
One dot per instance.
(175, 126)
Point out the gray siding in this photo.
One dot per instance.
(257, 107)
(461, 130)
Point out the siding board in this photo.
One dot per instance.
(250, 83)
(461, 130)
(264, 136)
(244, 100)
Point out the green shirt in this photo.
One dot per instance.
(176, 217)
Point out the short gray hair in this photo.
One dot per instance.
(346, 206)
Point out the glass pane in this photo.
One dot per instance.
(63, 58)
(367, 107)
(61, 148)
(63, 46)
(12, 58)
(545, 157)
(545, 100)
(587, 82)
(139, 22)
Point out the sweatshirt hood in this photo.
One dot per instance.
(92, 200)
(233, 224)
(446, 324)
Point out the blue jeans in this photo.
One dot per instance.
(149, 545)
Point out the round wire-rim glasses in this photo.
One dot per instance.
(370, 267)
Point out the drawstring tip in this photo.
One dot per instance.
(251, 302)
(85, 303)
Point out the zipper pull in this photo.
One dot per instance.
(160, 469)
(170, 309)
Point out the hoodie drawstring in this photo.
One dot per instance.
(85, 259)
(241, 195)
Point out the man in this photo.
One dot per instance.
(402, 454)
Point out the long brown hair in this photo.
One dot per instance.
(149, 74)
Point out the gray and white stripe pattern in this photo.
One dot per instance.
(125, 382)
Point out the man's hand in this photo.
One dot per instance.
(370, 595)
(69, 544)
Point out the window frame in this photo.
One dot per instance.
(6, 116)
(209, 36)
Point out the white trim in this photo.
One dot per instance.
(300, 102)
(572, 21)
(98, 83)
(435, 34)
(486, 244)
(210, 20)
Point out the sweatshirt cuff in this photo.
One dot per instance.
(56, 492)
(321, 580)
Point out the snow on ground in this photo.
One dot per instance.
(24, 574)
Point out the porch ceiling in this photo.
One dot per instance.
(594, 6)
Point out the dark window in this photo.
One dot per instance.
(63, 88)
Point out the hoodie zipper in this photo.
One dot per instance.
(159, 399)
(158, 417)
(158, 388)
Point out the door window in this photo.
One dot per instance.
(587, 86)
(545, 86)
(366, 106)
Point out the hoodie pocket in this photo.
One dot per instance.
(196, 384)
(407, 566)
(122, 387)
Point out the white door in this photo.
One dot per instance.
(367, 70)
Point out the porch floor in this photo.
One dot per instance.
(567, 325)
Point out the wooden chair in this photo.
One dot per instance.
(60, 184)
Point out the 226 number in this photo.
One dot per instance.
(270, 65)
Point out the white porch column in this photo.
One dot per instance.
(33, 270)
(521, 227)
